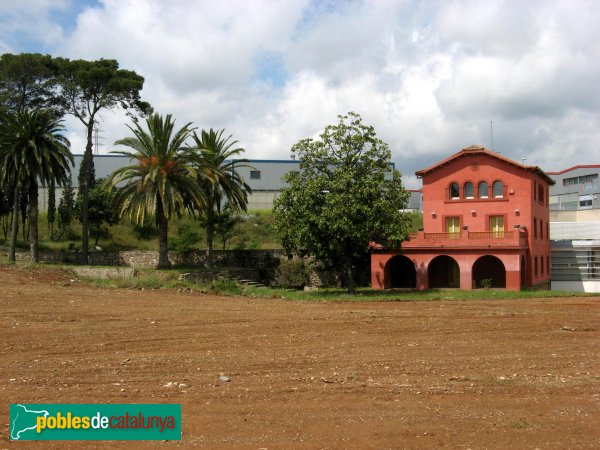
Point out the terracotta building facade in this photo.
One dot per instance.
(485, 224)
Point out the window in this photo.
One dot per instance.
(453, 226)
(541, 194)
(454, 190)
(535, 228)
(541, 229)
(468, 190)
(534, 190)
(483, 189)
(498, 189)
(255, 174)
(580, 180)
(585, 202)
(497, 226)
(535, 266)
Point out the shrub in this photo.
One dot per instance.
(184, 241)
(486, 283)
(292, 273)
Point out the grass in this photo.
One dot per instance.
(158, 279)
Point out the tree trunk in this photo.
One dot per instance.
(349, 275)
(85, 194)
(163, 231)
(33, 222)
(14, 231)
(210, 236)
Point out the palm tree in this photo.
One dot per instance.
(217, 156)
(161, 181)
(32, 151)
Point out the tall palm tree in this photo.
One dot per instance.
(218, 156)
(161, 181)
(32, 151)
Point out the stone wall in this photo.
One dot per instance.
(148, 259)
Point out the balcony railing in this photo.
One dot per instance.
(468, 239)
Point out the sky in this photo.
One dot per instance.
(432, 77)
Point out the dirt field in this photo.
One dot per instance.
(477, 374)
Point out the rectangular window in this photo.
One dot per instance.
(497, 226)
(535, 266)
(541, 230)
(585, 202)
(255, 174)
(541, 194)
(535, 228)
(453, 226)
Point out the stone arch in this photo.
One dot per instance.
(443, 272)
(402, 273)
(491, 268)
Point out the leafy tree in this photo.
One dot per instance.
(32, 151)
(51, 208)
(225, 222)
(100, 207)
(346, 195)
(29, 81)
(66, 209)
(89, 87)
(217, 156)
(161, 180)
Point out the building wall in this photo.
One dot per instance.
(576, 188)
(518, 204)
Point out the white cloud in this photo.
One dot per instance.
(428, 75)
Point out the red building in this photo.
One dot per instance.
(485, 223)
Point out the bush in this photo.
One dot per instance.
(486, 283)
(184, 241)
(292, 273)
(226, 286)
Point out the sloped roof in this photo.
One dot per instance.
(479, 150)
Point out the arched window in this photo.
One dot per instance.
(454, 190)
(468, 190)
(483, 189)
(498, 189)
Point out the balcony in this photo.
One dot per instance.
(468, 239)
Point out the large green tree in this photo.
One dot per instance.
(33, 151)
(219, 156)
(89, 87)
(161, 181)
(29, 81)
(346, 195)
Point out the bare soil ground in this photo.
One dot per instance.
(451, 374)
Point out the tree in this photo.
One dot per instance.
(217, 156)
(66, 209)
(5, 208)
(161, 180)
(51, 208)
(89, 87)
(29, 81)
(225, 222)
(32, 151)
(346, 196)
(100, 207)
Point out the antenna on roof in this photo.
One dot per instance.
(524, 160)
(492, 133)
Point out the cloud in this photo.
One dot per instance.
(429, 76)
